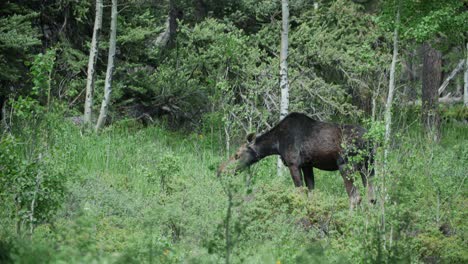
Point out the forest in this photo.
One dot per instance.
(131, 131)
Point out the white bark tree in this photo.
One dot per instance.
(388, 115)
(93, 54)
(284, 84)
(465, 77)
(110, 68)
(391, 87)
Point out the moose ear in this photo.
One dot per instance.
(250, 137)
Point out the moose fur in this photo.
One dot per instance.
(304, 144)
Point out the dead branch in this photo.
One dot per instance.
(450, 77)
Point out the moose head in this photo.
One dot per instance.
(245, 155)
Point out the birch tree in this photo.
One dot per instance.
(391, 86)
(93, 54)
(110, 68)
(465, 77)
(284, 84)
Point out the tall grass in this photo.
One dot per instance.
(148, 195)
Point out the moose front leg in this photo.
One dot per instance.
(309, 177)
(296, 175)
(352, 191)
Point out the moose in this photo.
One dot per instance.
(303, 144)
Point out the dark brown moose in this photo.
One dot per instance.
(303, 144)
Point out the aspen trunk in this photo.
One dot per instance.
(228, 226)
(391, 87)
(465, 77)
(93, 54)
(284, 84)
(388, 115)
(110, 68)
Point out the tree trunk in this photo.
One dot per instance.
(166, 38)
(388, 113)
(110, 68)
(458, 85)
(284, 84)
(227, 231)
(200, 9)
(465, 77)
(34, 204)
(391, 87)
(174, 14)
(93, 54)
(410, 69)
(431, 78)
(3, 114)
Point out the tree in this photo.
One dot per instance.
(93, 53)
(437, 25)
(284, 84)
(110, 68)
(431, 78)
(391, 85)
(18, 40)
(465, 77)
(166, 38)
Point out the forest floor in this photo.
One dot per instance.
(147, 195)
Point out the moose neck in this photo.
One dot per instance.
(266, 144)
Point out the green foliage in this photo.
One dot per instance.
(343, 55)
(457, 112)
(136, 194)
(17, 38)
(427, 20)
(168, 170)
(148, 195)
(375, 131)
(41, 69)
(69, 64)
(17, 32)
(31, 190)
(33, 183)
(435, 17)
(29, 107)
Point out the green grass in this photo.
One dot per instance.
(147, 195)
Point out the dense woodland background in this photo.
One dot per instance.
(189, 80)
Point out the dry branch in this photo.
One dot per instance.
(450, 77)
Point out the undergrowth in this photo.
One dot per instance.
(148, 195)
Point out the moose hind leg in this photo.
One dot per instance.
(353, 193)
(367, 176)
(296, 175)
(309, 177)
